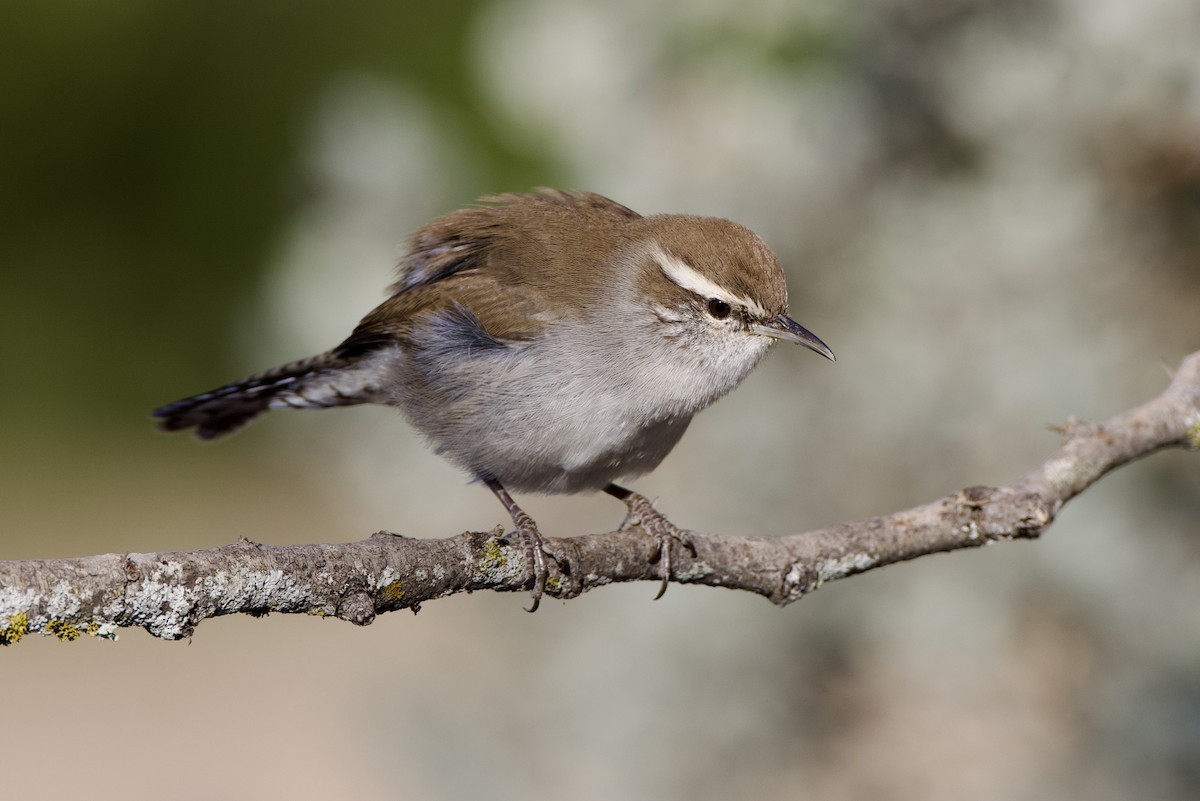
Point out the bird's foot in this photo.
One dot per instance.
(536, 549)
(642, 514)
(536, 552)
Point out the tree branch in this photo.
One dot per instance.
(170, 593)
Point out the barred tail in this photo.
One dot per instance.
(317, 382)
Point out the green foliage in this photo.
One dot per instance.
(149, 155)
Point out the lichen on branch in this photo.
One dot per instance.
(169, 594)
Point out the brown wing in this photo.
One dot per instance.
(457, 241)
(473, 257)
(502, 312)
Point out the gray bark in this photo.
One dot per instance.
(168, 594)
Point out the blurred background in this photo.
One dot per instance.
(989, 208)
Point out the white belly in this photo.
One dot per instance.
(558, 416)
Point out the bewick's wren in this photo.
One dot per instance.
(549, 342)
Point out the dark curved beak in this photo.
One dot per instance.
(787, 329)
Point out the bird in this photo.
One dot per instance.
(547, 342)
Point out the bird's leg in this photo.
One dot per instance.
(643, 514)
(535, 547)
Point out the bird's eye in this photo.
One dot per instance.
(719, 308)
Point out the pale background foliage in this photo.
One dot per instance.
(988, 209)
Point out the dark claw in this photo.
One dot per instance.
(664, 568)
(535, 547)
(643, 514)
(535, 563)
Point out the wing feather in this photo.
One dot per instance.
(490, 243)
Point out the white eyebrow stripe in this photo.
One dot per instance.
(692, 280)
